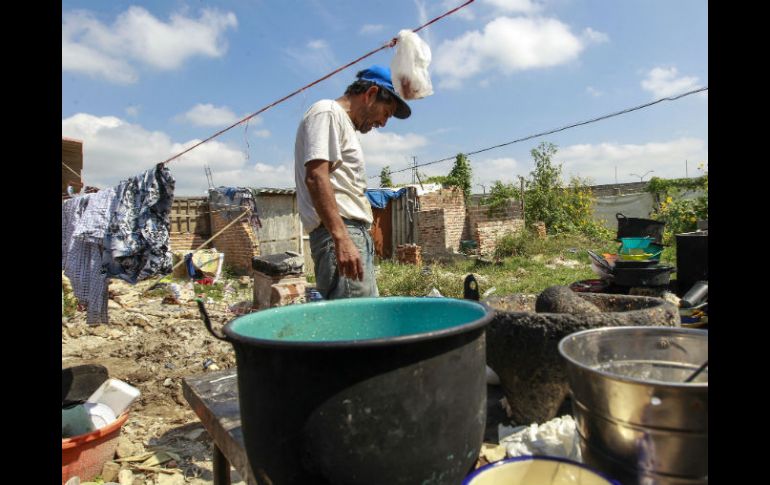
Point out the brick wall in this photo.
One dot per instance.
(183, 241)
(441, 221)
(485, 229)
(238, 242)
(431, 233)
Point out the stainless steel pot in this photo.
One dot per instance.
(637, 419)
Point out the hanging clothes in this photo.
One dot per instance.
(137, 244)
(231, 201)
(84, 222)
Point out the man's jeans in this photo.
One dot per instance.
(328, 280)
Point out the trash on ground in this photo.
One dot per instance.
(557, 437)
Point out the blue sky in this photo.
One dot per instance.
(141, 81)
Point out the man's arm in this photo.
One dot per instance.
(349, 262)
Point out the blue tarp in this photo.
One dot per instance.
(379, 197)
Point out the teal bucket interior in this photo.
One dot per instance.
(357, 319)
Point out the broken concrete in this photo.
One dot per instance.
(522, 345)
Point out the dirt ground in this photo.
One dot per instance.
(152, 345)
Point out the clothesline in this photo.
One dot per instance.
(70, 169)
(390, 43)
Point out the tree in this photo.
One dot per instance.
(546, 198)
(500, 195)
(461, 175)
(385, 180)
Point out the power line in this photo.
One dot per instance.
(604, 117)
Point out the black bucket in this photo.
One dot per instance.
(636, 227)
(692, 260)
(362, 391)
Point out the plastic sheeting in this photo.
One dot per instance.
(379, 198)
(632, 205)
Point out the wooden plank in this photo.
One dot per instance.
(214, 398)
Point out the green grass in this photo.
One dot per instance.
(530, 271)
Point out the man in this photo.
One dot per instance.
(331, 179)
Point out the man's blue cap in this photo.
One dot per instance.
(380, 75)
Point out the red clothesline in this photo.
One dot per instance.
(390, 43)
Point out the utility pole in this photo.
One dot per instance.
(483, 187)
(414, 168)
(686, 175)
(207, 169)
(616, 174)
(523, 218)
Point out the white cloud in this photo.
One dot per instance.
(383, 148)
(80, 58)
(598, 161)
(137, 37)
(593, 91)
(114, 149)
(371, 29)
(595, 37)
(209, 115)
(262, 133)
(315, 56)
(514, 6)
(664, 82)
(486, 171)
(132, 110)
(508, 45)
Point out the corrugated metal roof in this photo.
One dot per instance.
(269, 190)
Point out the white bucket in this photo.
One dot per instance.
(116, 394)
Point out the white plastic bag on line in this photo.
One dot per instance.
(409, 67)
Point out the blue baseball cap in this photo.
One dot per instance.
(380, 75)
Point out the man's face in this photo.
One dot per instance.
(374, 113)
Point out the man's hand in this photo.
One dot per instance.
(349, 262)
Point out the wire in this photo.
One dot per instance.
(628, 110)
(390, 43)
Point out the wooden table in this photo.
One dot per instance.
(214, 398)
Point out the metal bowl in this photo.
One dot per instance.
(637, 418)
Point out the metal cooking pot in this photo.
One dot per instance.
(636, 227)
(658, 275)
(636, 417)
(363, 390)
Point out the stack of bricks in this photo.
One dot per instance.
(441, 221)
(409, 254)
(238, 242)
(539, 228)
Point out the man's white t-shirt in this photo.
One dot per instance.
(327, 133)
